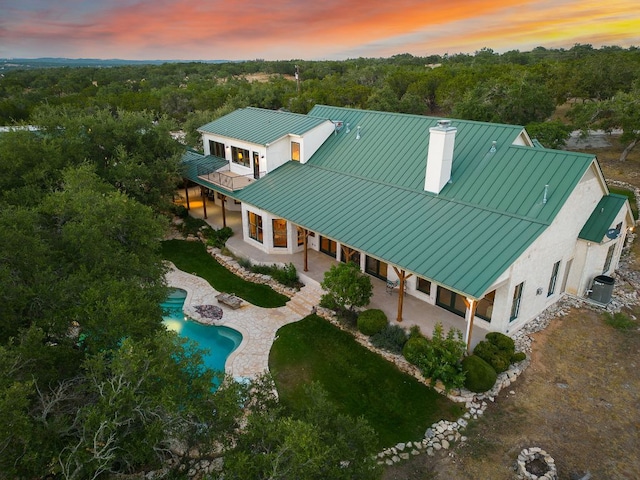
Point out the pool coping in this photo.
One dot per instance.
(257, 325)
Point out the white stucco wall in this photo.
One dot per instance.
(559, 242)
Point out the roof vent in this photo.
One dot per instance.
(493, 147)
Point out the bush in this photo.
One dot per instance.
(218, 238)
(502, 342)
(479, 375)
(372, 321)
(438, 358)
(391, 338)
(518, 357)
(415, 348)
(491, 354)
(287, 275)
(180, 211)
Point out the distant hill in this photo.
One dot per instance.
(30, 63)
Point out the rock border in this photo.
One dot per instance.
(535, 453)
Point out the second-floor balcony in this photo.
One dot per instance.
(225, 178)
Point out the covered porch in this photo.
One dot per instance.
(414, 311)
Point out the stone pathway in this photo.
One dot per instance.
(257, 325)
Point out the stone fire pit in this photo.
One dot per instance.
(536, 464)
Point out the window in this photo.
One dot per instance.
(424, 286)
(300, 236)
(607, 262)
(553, 279)
(484, 310)
(240, 156)
(451, 301)
(375, 267)
(515, 306)
(328, 246)
(216, 149)
(350, 255)
(295, 151)
(279, 232)
(255, 226)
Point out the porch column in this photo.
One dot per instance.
(305, 242)
(402, 276)
(186, 192)
(469, 316)
(224, 212)
(348, 253)
(204, 202)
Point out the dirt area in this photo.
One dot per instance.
(579, 400)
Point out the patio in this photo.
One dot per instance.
(414, 311)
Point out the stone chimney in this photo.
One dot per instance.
(440, 157)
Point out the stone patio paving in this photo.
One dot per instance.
(257, 325)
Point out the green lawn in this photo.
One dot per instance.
(192, 257)
(357, 380)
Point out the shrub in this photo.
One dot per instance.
(438, 358)
(479, 375)
(518, 357)
(287, 275)
(502, 342)
(327, 301)
(180, 211)
(245, 263)
(372, 321)
(391, 338)
(492, 355)
(218, 238)
(415, 348)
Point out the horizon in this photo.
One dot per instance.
(195, 31)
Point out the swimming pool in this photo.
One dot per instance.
(217, 341)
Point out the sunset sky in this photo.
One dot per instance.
(305, 29)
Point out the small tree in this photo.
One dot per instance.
(347, 287)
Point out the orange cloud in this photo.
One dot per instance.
(192, 29)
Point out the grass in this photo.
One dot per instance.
(620, 321)
(192, 257)
(358, 382)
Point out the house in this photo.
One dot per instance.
(473, 217)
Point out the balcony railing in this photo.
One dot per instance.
(226, 179)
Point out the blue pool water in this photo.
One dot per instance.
(217, 342)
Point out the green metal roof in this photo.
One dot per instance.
(368, 193)
(260, 126)
(195, 164)
(602, 218)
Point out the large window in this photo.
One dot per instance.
(240, 156)
(216, 149)
(255, 226)
(607, 262)
(515, 306)
(328, 246)
(375, 267)
(484, 309)
(295, 151)
(451, 301)
(554, 279)
(279, 232)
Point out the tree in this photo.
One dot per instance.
(347, 287)
(316, 443)
(620, 112)
(551, 134)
